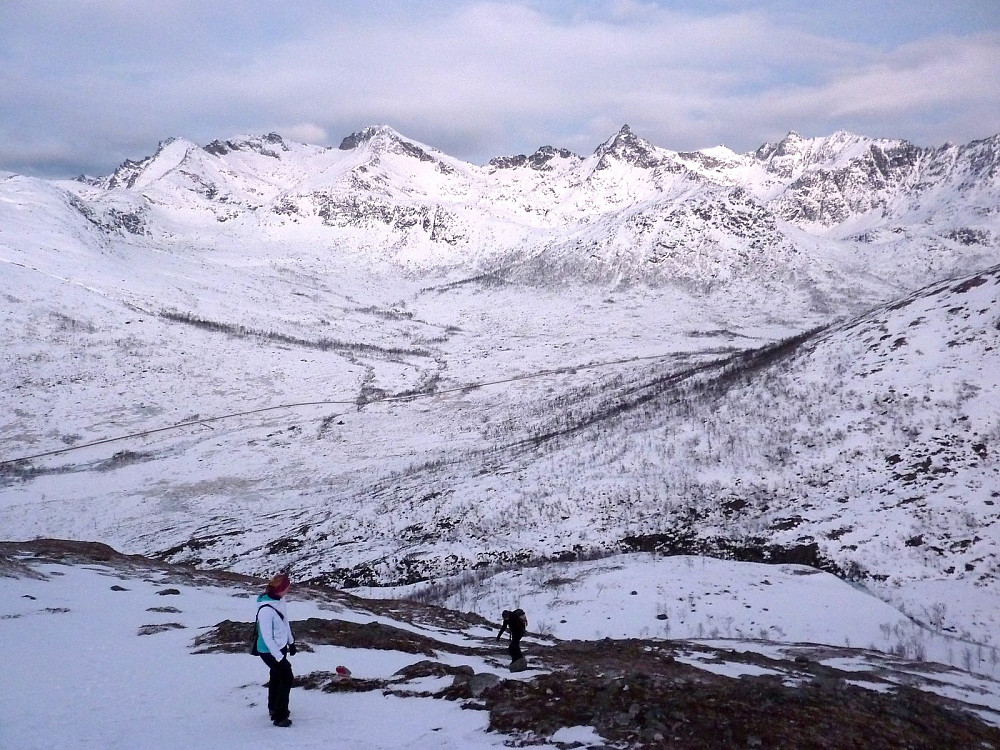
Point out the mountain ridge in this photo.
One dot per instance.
(613, 217)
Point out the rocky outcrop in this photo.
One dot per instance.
(539, 161)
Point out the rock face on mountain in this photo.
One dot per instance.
(627, 147)
(538, 161)
(823, 211)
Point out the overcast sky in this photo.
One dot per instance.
(85, 84)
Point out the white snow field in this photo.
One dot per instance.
(81, 675)
(378, 365)
(102, 654)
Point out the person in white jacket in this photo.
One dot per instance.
(275, 643)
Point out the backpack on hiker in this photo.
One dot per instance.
(519, 614)
(256, 629)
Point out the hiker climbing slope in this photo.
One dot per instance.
(517, 623)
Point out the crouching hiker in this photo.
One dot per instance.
(274, 644)
(517, 622)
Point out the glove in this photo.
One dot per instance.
(291, 649)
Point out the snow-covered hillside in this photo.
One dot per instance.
(121, 652)
(646, 595)
(379, 364)
(867, 448)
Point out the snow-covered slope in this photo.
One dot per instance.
(121, 652)
(379, 364)
(869, 448)
(866, 448)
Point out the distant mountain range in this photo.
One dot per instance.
(826, 213)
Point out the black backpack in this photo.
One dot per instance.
(519, 614)
(256, 628)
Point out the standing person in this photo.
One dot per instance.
(275, 644)
(517, 622)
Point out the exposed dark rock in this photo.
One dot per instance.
(160, 628)
(429, 668)
(631, 694)
(477, 684)
(234, 637)
(331, 682)
(387, 139)
(538, 161)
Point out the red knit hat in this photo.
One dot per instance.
(278, 585)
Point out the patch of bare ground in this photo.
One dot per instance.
(635, 693)
(234, 637)
(331, 682)
(423, 614)
(71, 552)
(653, 711)
(160, 627)
(12, 568)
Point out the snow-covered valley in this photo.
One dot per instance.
(378, 365)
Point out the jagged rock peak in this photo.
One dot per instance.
(794, 145)
(628, 147)
(371, 133)
(538, 161)
(382, 138)
(172, 150)
(790, 144)
(262, 144)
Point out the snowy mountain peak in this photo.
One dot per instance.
(169, 154)
(983, 158)
(626, 146)
(795, 145)
(715, 161)
(793, 155)
(371, 133)
(722, 153)
(790, 144)
(657, 206)
(384, 139)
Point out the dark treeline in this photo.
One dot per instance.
(322, 344)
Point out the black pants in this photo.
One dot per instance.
(514, 649)
(278, 686)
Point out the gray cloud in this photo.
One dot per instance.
(89, 83)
